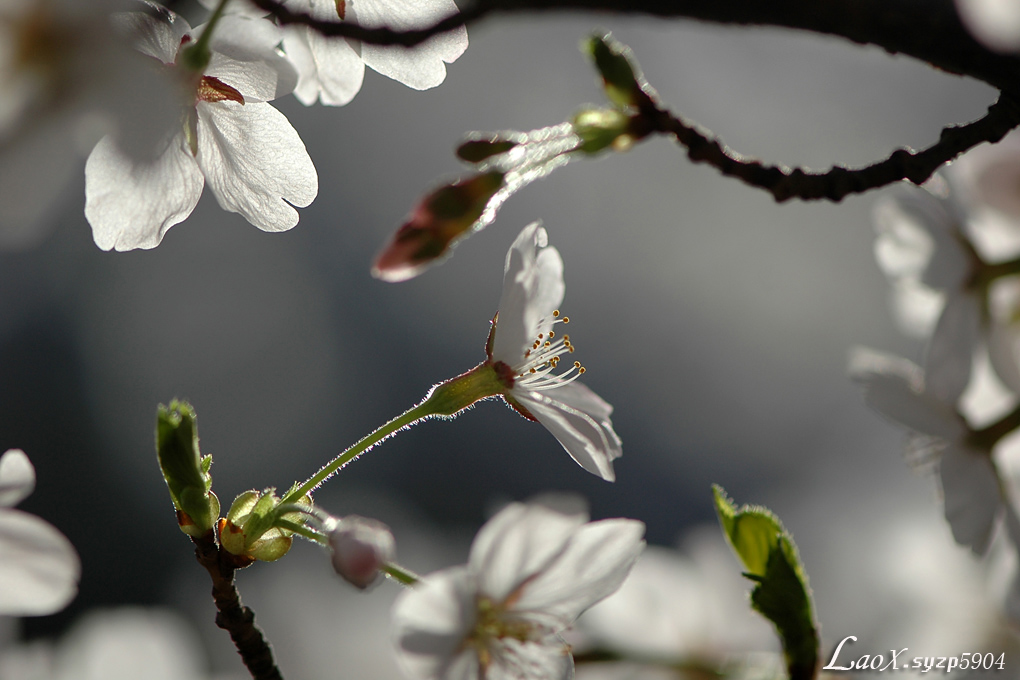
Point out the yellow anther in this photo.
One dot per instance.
(566, 338)
(547, 343)
(581, 370)
(556, 313)
(552, 333)
(577, 364)
(532, 370)
(570, 349)
(566, 319)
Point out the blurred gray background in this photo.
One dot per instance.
(716, 321)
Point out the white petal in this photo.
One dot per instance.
(919, 235)
(423, 66)
(591, 441)
(532, 288)
(595, 563)
(39, 568)
(328, 68)
(431, 621)
(950, 355)
(255, 162)
(520, 541)
(156, 31)
(245, 57)
(893, 387)
(17, 478)
(970, 489)
(996, 23)
(132, 204)
(545, 659)
(916, 307)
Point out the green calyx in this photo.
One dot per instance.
(456, 394)
(186, 472)
(256, 528)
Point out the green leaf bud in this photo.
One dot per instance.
(621, 75)
(782, 594)
(185, 471)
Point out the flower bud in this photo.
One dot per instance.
(603, 128)
(361, 547)
(443, 217)
(186, 472)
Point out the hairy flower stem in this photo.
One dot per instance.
(400, 574)
(232, 616)
(197, 57)
(445, 400)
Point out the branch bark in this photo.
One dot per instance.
(839, 182)
(232, 616)
(929, 30)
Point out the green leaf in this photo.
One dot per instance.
(781, 594)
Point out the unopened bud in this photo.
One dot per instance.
(442, 218)
(600, 129)
(250, 526)
(186, 472)
(361, 546)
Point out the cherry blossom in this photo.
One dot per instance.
(525, 352)
(230, 138)
(39, 568)
(996, 23)
(68, 79)
(331, 70)
(925, 401)
(531, 571)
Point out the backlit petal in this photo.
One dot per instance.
(255, 162)
(133, 204)
(970, 489)
(17, 478)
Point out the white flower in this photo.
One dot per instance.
(926, 403)
(332, 70)
(923, 250)
(39, 568)
(67, 79)
(532, 570)
(229, 136)
(996, 23)
(524, 350)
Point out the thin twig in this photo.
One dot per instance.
(838, 182)
(929, 30)
(232, 616)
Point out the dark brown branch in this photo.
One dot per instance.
(929, 30)
(232, 616)
(838, 182)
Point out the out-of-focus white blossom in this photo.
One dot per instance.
(117, 644)
(228, 137)
(996, 23)
(39, 568)
(332, 70)
(923, 249)
(532, 570)
(925, 401)
(68, 78)
(526, 352)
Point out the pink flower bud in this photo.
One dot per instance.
(361, 546)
